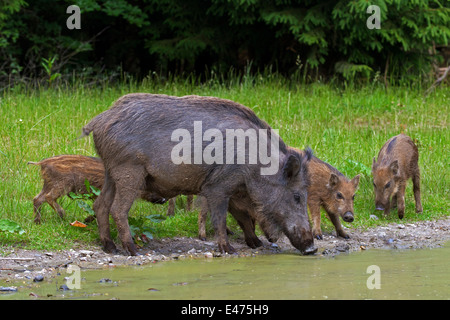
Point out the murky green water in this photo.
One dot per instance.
(409, 274)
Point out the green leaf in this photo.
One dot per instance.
(10, 226)
(86, 207)
(156, 218)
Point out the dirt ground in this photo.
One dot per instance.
(17, 264)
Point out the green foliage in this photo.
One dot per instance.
(197, 35)
(84, 201)
(141, 227)
(349, 70)
(10, 226)
(47, 64)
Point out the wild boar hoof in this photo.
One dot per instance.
(319, 237)
(226, 248)
(110, 247)
(254, 243)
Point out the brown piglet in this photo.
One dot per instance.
(397, 162)
(67, 173)
(330, 189)
(64, 174)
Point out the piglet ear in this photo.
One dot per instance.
(394, 167)
(374, 163)
(291, 167)
(355, 181)
(334, 180)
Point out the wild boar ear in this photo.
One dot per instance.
(334, 180)
(355, 181)
(394, 167)
(291, 167)
(374, 163)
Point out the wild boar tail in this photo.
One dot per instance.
(87, 129)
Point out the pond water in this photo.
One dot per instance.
(399, 274)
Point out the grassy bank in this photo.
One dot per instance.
(344, 127)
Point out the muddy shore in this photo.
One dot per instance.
(19, 264)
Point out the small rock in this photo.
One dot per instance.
(209, 254)
(342, 247)
(38, 278)
(8, 289)
(373, 217)
(381, 234)
(86, 253)
(64, 287)
(192, 251)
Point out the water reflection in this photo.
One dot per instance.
(409, 274)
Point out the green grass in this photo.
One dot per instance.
(344, 127)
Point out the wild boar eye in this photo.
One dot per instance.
(339, 196)
(387, 185)
(297, 197)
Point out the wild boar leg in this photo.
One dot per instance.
(190, 199)
(129, 181)
(387, 209)
(401, 200)
(394, 201)
(314, 209)
(416, 190)
(337, 225)
(202, 215)
(247, 225)
(171, 208)
(37, 203)
(102, 207)
(51, 200)
(218, 206)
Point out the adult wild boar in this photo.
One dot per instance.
(197, 145)
(397, 162)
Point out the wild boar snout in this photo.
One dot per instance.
(348, 216)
